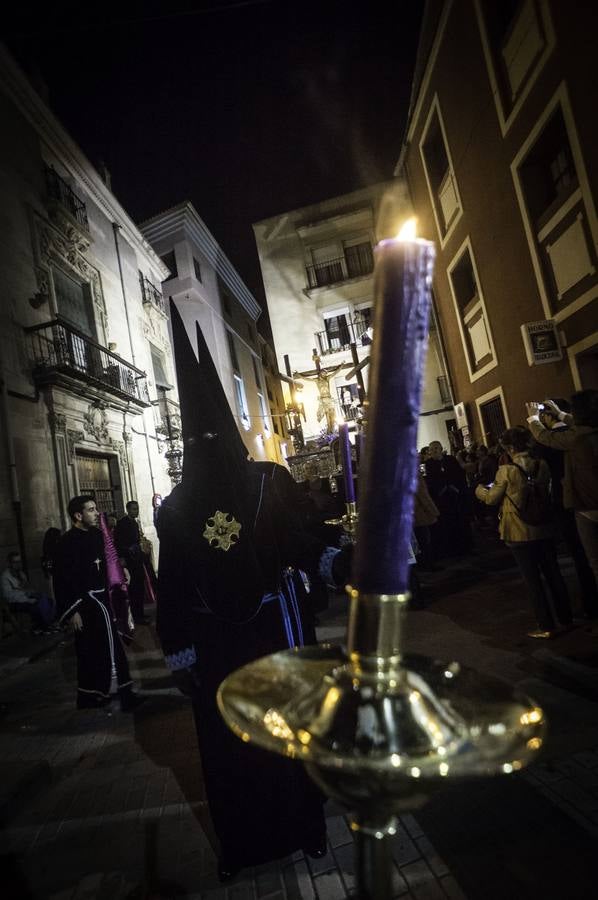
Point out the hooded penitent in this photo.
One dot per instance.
(210, 516)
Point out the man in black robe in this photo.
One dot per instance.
(230, 544)
(127, 537)
(447, 486)
(82, 599)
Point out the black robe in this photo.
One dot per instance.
(80, 587)
(263, 806)
(127, 539)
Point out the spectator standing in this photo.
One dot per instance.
(580, 480)
(487, 465)
(531, 545)
(425, 516)
(127, 537)
(447, 485)
(17, 592)
(82, 597)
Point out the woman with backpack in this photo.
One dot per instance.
(521, 488)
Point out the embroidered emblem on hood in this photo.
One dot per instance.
(222, 531)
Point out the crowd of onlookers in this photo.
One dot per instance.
(539, 487)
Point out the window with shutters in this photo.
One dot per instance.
(440, 173)
(474, 325)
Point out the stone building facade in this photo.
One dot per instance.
(81, 321)
(208, 290)
(499, 154)
(317, 267)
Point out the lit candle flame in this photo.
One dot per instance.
(409, 230)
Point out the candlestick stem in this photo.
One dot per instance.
(373, 859)
(375, 631)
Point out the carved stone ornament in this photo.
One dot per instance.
(53, 247)
(73, 437)
(57, 422)
(95, 422)
(43, 280)
(42, 295)
(77, 236)
(150, 329)
(119, 446)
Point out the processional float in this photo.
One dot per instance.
(379, 730)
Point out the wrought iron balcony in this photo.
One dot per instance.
(56, 349)
(352, 332)
(357, 261)
(62, 193)
(151, 294)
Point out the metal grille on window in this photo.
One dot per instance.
(493, 418)
(95, 479)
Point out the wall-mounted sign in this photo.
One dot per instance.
(541, 342)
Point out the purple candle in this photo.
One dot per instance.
(345, 445)
(388, 470)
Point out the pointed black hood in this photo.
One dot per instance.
(216, 480)
(210, 434)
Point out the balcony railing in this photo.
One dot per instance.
(62, 192)
(351, 413)
(353, 332)
(56, 348)
(357, 261)
(151, 294)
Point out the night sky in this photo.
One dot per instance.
(245, 108)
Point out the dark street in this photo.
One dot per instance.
(99, 804)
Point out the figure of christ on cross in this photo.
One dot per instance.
(326, 404)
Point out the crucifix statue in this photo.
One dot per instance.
(326, 405)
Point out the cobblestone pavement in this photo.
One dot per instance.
(104, 805)
(123, 813)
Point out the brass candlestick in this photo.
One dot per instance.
(348, 522)
(378, 731)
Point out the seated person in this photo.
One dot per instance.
(15, 591)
